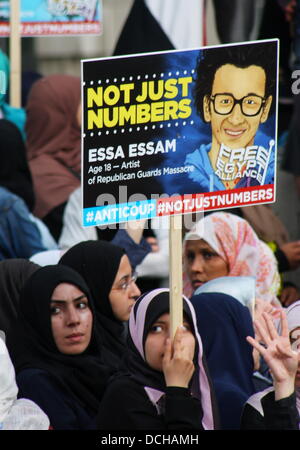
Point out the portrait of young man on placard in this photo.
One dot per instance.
(235, 91)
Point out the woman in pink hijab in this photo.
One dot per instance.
(53, 145)
(223, 244)
(162, 384)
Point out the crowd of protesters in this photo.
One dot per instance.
(85, 338)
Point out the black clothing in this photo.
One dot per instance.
(141, 32)
(283, 262)
(234, 20)
(13, 275)
(126, 406)
(146, 284)
(278, 415)
(291, 155)
(15, 174)
(64, 411)
(274, 25)
(54, 220)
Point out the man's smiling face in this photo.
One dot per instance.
(235, 129)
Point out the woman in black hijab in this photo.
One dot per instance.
(55, 350)
(107, 272)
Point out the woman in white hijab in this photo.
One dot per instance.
(21, 414)
(277, 407)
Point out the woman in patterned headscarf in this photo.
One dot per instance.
(223, 244)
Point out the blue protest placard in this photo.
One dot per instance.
(179, 131)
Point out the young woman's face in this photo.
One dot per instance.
(295, 343)
(71, 319)
(124, 291)
(156, 341)
(203, 263)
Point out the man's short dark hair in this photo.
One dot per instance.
(242, 56)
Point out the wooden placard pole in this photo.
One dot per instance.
(15, 54)
(175, 243)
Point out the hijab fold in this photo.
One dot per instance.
(223, 324)
(241, 288)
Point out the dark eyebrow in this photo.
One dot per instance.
(74, 299)
(163, 322)
(230, 93)
(205, 247)
(253, 93)
(209, 249)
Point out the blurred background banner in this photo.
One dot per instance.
(55, 17)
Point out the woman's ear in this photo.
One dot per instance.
(206, 108)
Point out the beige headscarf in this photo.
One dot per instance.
(53, 140)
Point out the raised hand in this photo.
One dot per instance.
(277, 352)
(178, 366)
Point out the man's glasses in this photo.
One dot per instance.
(126, 283)
(250, 104)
